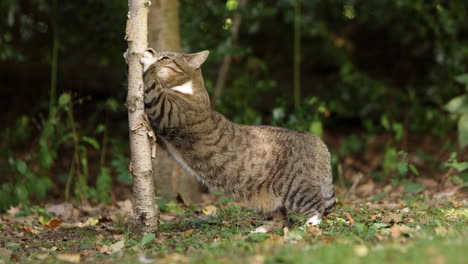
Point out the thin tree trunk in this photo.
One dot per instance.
(164, 35)
(145, 211)
(223, 71)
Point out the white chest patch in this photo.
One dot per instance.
(147, 60)
(186, 88)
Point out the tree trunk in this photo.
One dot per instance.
(145, 211)
(171, 179)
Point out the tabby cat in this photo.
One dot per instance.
(274, 170)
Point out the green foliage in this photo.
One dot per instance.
(459, 106)
(396, 166)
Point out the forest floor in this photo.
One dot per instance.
(392, 224)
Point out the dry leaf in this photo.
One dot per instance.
(391, 219)
(90, 222)
(454, 203)
(69, 257)
(31, 229)
(125, 207)
(53, 223)
(275, 239)
(396, 231)
(350, 219)
(314, 230)
(168, 216)
(13, 210)
(209, 210)
(64, 210)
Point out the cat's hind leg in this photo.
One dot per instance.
(278, 220)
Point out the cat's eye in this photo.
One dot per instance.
(164, 58)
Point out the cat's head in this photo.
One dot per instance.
(174, 70)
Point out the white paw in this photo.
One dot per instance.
(314, 220)
(260, 229)
(148, 58)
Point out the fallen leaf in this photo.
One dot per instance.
(396, 231)
(125, 207)
(13, 210)
(350, 219)
(63, 210)
(69, 257)
(209, 210)
(31, 229)
(275, 239)
(454, 203)
(391, 219)
(314, 230)
(117, 246)
(53, 223)
(168, 216)
(90, 222)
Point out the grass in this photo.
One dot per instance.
(414, 233)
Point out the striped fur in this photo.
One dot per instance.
(274, 170)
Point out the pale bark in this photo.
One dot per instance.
(225, 65)
(164, 35)
(145, 211)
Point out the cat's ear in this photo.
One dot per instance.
(195, 60)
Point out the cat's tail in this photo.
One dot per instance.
(325, 172)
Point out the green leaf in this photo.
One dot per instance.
(93, 142)
(413, 188)
(458, 105)
(232, 5)
(463, 130)
(117, 246)
(377, 226)
(316, 128)
(146, 239)
(462, 78)
(402, 167)
(413, 169)
(64, 99)
(399, 131)
(360, 227)
(21, 167)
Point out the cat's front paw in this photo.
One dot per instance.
(314, 220)
(261, 229)
(148, 58)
